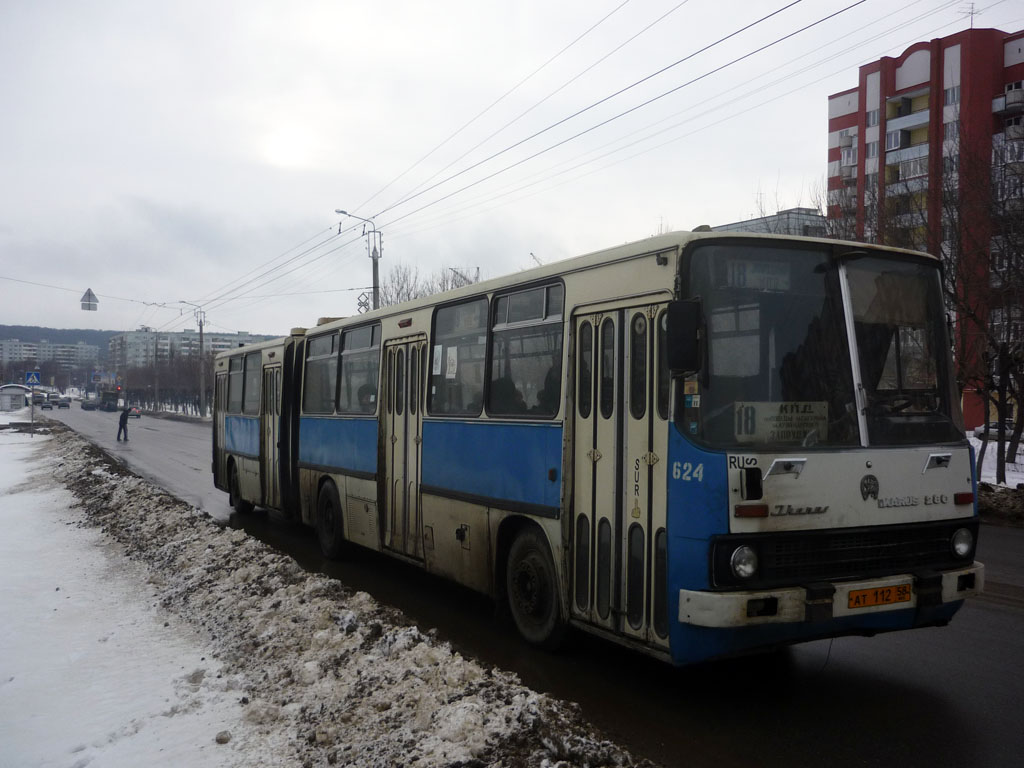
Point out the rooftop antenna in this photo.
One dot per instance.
(968, 10)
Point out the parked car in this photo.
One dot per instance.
(135, 412)
(88, 405)
(993, 429)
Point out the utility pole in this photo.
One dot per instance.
(374, 248)
(200, 316)
(156, 370)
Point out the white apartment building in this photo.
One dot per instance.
(80, 355)
(138, 349)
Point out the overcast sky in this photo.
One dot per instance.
(161, 153)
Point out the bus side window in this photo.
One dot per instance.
(662, 366)
(251, 392)
(459, 349)
(526, 353)
(235, 385)
(321, 374)
(638, 366)
(586, 377)
(360, 361)
(607, 391)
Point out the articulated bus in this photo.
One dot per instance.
(699, 445)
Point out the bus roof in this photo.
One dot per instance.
(647, 246)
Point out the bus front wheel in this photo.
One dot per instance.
(235, 499)
(532, 589)
(329, 529)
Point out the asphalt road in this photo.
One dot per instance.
(947, 696)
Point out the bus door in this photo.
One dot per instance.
(403, 436)
(270, 437)
(621, 435)
(220, 399)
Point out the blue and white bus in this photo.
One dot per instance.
(700, 444)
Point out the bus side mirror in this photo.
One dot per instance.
(683, 336)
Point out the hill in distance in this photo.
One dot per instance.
(35, 334)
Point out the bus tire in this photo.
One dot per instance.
(329, 530)
(235, 499)
(531, 586)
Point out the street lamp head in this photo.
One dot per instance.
(339, 211)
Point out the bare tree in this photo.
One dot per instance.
(404, 283)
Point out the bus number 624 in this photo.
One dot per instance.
(687, 472)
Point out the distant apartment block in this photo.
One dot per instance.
(804, 222)
(138, 349)
(67, 356)
(927, 152)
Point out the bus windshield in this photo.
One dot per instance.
(778, 365)
(902, 348)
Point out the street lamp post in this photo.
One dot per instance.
(374, 238)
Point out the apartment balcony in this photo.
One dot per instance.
(846, 141)
(906, 186)
(848, 173)
(1014, 132)
(1010, 103)
(913, 152)
(908, 122)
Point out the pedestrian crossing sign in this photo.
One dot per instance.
(32, 378)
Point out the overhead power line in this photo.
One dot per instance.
(607, 98)
(494, 103)
(617, 116)
(550, 95)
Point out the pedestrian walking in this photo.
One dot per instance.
(122, 425)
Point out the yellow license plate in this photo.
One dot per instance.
(865, 598)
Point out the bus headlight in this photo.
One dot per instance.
(743, 562)
(962, 542)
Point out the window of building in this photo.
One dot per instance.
(911, 169)
(526, 353)
(360, 361)
(1015, 86)
(319, 382)
(951, 164)
(1012, 121)
(871, 118)
(951, 95)
(871, 149)
(950, 131)
(457, 359)
(892, 140)
(849, 156)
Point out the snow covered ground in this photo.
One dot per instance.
(1014, 472)
(136, 631)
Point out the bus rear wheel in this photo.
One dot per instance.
(532, 589)
(235, 499)
(329, 530)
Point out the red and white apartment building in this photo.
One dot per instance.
(908, 148)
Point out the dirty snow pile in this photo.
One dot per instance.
(325, 676)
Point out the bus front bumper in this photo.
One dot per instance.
(830, 600)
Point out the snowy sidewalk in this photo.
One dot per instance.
(90, 672)
(117, 598)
